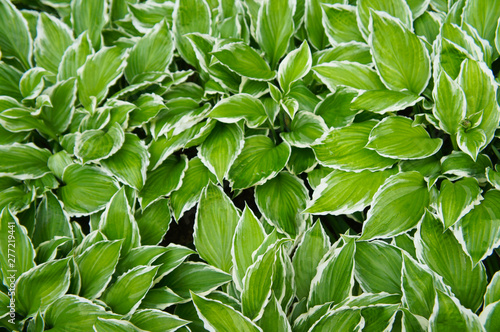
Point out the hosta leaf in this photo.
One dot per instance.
(160, 298)
(220, 149)
(52, 40)
(23, 161)
(340, 23)
(335, 109)
(306, 128)
(240, 106)
(294, 66)
(42, 285)
(396, 137)
(148, 106)
(196, 178)
(51, 220)
(248, 236)
(450, 315)
(329, 284)
(74, 57)
(183, 23)
(146, 14)
(125, 295)
(259, 161)
(480, 228)
(493, 177)
(397, 206)
(344, 149)
(71, 313)
(114, 325)
(483, 16)
(216, 221)
(90, 16)
(471, 141)
(87, 189)
(488, 317)
(142, 255)
(99, 73)
(274, 28)
(460, 164)
(344, 319)
(444, 255)
(217, 316)
(289, 199)
(346, 192)
(156, 320)
(32, 83)
(450, 105)
(173, 257)
(9, 79)
(301, 160)
(476, 79)
(378, 267)
(245, 61)
(195, 277)
(493, 291)
(130, 162)
(152, 53)
(418, 7)
(94, 145)
(163, 180)
(384, 101)
(16, 39)
(17, 244)
(396, 8)
(346, 73)
(59, 115)
(274, 318)
(399, 55)
(118, 223)
(455, 200)
(351, 51)
(96, 266)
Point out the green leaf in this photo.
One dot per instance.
(90, 16)
(346, 192)
(450, 106)
(400, 57)
(146, 14)
(306, 129)
(195, 277)
(114, 325)
(418, 7)
(156, 320)
(32, 82)
(100, 71)
(483, 16)
(396, 8)
(335, 109)
(460, 164)
(329, 284)
(118, 223)
(217, 316)
(240, 106)
(220, 149)
(396, 137)
(384, 101)
(63, 96)
(87, 189)
(125, 295)
(245, 61)
(493, 177)
(275, 28)
(97, 144)
(216, 221)
(480, 228)
(23, 161)
(294, 66)
(340, 23)
(42, 285)
(493, 290)
(152, 54)
(345, 149)
(351, 51)
(74, 57)
(183, 23)
(96, 266)
(274, 318)
(51, 220)
(17, 244)
(455, 200)
(450, 315)
(382, 274)
(346, 73)
(289, 196)
(163, 180)
(71, 313)
(248, 236)
(397, 206)
(444, 255)
(301, 160)
(16, 40)
(488, 317)
(52, 40)
(9, 79)
(259, 161)
(310, 251)
(343, 319)
(173, 257)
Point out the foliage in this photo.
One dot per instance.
(243, 165)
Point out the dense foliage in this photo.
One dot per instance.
(249, 165)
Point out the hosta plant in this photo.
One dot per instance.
(244, 165)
